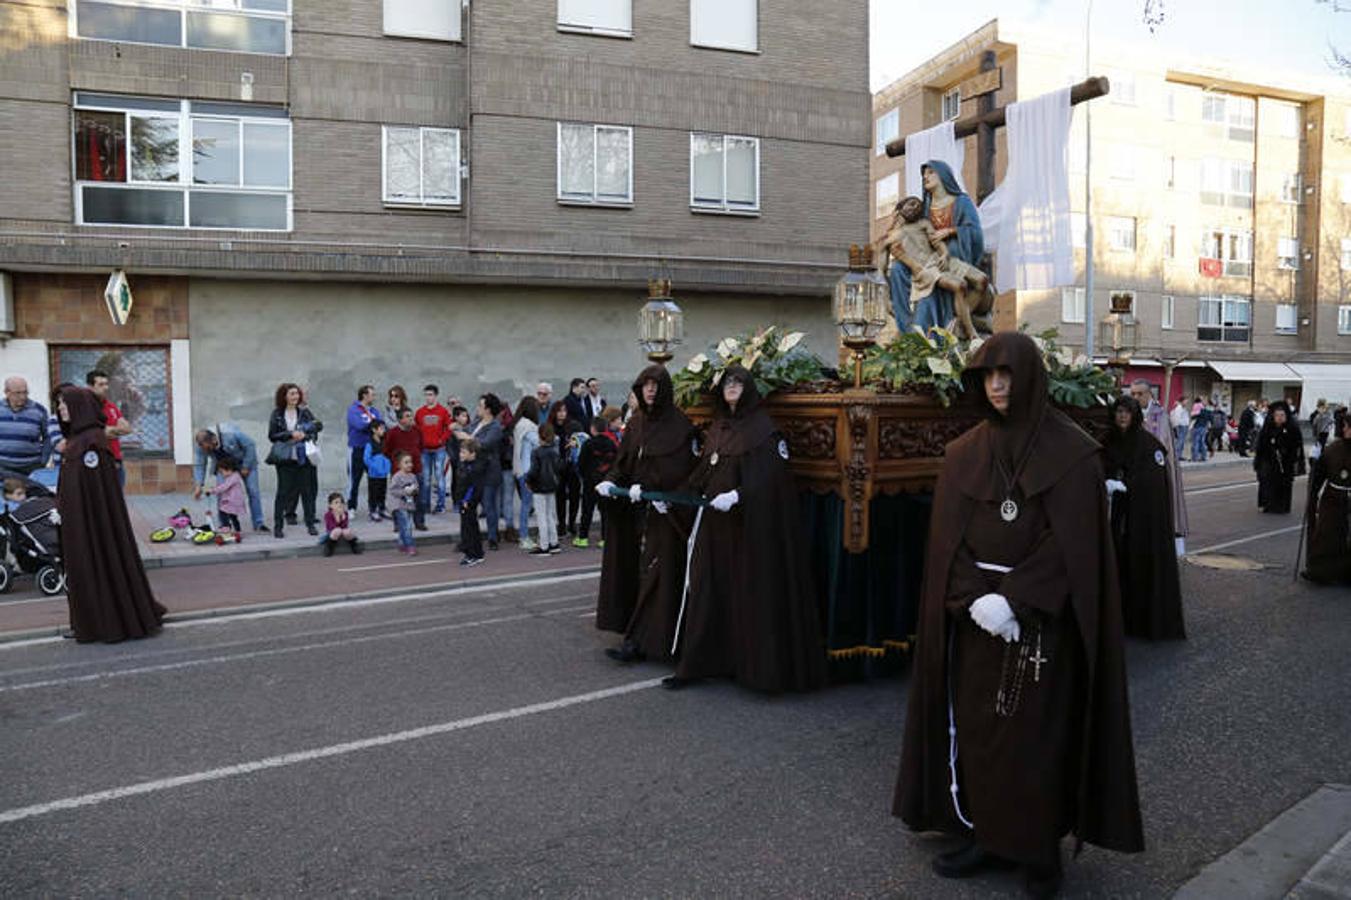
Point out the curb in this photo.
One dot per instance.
(225, 612)
(294, 551)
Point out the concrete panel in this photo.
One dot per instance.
(33, 51)
(35, 159)
(247, 337)
(113, 67)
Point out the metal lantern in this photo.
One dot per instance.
(1119, 333)
(860, 306)
(661, 324)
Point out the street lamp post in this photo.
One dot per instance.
(1088, 193)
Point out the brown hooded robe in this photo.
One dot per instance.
(1329, 512)
(1142, 529)
(109, 597)
(752, 612)
(1058, 757)
(658, 452)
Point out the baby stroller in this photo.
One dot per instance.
(30, 543)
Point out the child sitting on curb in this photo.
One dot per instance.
(337, 526)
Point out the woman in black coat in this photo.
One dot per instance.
(289, 428)
(1279, 458)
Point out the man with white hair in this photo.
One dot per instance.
(23, 430)
(544, 393)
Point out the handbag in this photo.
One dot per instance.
(313, 455)
(281, 454)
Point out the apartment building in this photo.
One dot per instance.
(1221, 208)
(412, 191)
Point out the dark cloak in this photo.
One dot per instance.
(658, 452)
(106, 588)
(1279, 457)
(1142, 529)
(751, 613)
(1329, 548)
(1069, 764)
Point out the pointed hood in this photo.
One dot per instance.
(665, 390)
(84, 428)
(661, 428)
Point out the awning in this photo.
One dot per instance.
(1331, 381)
(1254, 371)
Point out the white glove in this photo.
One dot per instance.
(660, 506)
(636, 493)
(993, 613)
(1115, 487)
(604, 488)
(725, 501)
(1315, 451)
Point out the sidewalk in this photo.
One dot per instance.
(152, 511)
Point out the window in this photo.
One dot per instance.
(595, 164)
(1078, 230)
(610, 17)
(1344, 319)
(1346, 254)
(1287, 317)
(422, 166)
(1166, 312)
(1226, 318)
(181, 164)
(1121, 162)
(1123, 88)
(1169, 241)
(1232, 249)
(724, 172)
(952, 104)
(138, 382)
(1072, 304)
(1287, 253)
(1121, 233)
(245, 26)
(436, 20)
(1291, 188)
(1237, 114)
(725, 24)
(888, 129)
(888, 191)
(1227, 182)
(1284, 117)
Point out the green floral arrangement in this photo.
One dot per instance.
(1074, 380)
(775, 358)
(914, 358)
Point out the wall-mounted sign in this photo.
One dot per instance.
(118, 297)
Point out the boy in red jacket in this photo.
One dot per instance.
(433, 423)
(406, 438)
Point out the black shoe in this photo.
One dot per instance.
(68, 634)
(626, 653)
(354, 545)
(420, 527)
(1042, 882)
(967, 861)
(291, 520)
(328, 548)
(676, 683)
(492, 545)
(312, 529)
(278, 533)
(262, 529)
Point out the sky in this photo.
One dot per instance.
(1292, 35)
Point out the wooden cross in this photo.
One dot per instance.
(988, 117)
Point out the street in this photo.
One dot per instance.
(473, 740)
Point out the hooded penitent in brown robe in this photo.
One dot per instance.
(1142, 529)
(106, 587)
(657, 452)
(1329, 526)
(751, 612)
(1277, 458)
(1043, 739)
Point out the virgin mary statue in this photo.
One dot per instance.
(956, 224)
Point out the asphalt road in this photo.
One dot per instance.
(478, 743)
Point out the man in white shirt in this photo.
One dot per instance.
(1180, 419)
(592, 401)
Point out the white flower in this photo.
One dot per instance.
(726, 347)
(1081, 361)
(751, 360)
(790, 340)
(1041, 345)
(696, 364)
(974, 345)
(938, 365)
(717, 378)
(1065, 356)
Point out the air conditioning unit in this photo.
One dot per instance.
(6, 305)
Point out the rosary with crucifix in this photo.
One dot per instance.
(1013, 673)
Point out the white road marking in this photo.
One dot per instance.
(57, 598)
(1219, 487)
(276, 651)
(1251, 537)
(303, 756)
(441, 616)
(397, 565)
(338, 605)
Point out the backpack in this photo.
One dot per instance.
(605, 452)
(575, 445)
